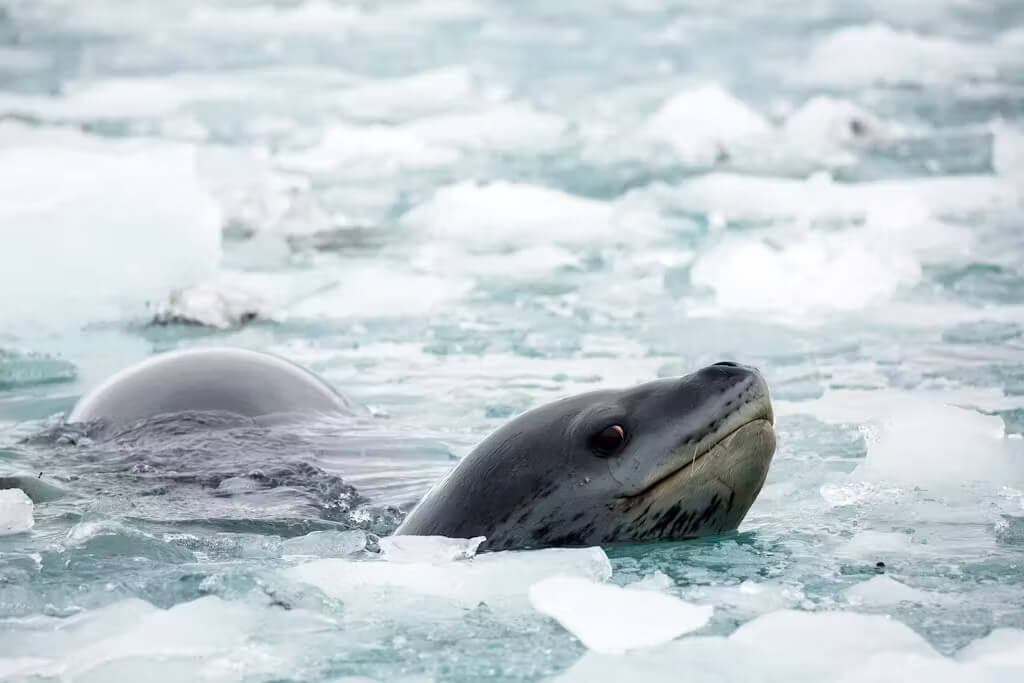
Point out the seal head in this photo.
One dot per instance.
(666, 460)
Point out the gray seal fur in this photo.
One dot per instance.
(696, 455)
(234, 380)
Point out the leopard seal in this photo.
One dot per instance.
(668, 459)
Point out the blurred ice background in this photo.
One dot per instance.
(454, 210)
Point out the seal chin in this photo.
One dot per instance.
(738, 460)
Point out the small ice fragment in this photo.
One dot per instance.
(924, 444)
(429, 548)
(507, 213)
(655, 581)
(500, 577)
(701, 122)
(1003, 647)
(15, 512)
(841, 640)
(211, 304)
(611, 619)
(327, 543)
(883, 590)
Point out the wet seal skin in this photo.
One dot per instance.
(233, 380)
(670, 459)
(667, 460)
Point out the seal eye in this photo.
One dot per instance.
(609, 440)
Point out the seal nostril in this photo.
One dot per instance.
(727, 363)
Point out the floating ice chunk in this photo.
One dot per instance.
(1003, 647)
(611, 619)
(124, 98)
(215, 304)
(825, 120)
(516, 213)
(376, 291)
(369, 150)
(841, 638)
(883, 590)
(327, 543)
(197, 640)
(511, 128)
(526, 263)
(428, 548)
(844, 406)
(936, 445)
(754, 198)
(818, 274)
(876, 53)
(701, 123)
(78, 223)
(775, 644)
(655, 581)
(420, 94)
(501, 577)
(15, 512)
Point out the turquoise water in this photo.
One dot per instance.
(454, 211)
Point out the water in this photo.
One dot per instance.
(457, 210)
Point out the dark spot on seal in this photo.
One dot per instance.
(577, 517)
(542, 532)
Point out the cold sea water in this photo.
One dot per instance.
(455, 210)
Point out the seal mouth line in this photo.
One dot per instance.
(696, 456)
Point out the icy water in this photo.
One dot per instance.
(459, 209)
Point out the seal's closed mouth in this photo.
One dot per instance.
(702, 449)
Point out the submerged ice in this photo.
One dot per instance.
(454, 211)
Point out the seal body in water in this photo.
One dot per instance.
(669, 459)
(240, 381)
